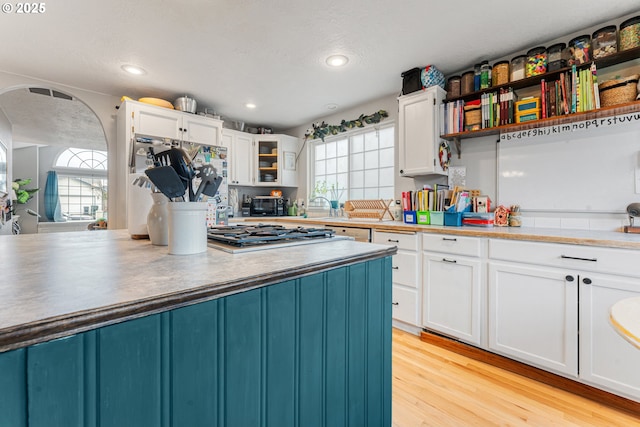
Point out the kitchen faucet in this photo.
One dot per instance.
(332, 211)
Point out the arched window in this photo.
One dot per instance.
(82, 183)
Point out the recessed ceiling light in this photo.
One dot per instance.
(250, 105)
(337, 60)
(132, 69)
(332, 106)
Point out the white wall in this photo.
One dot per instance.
(6, 136)
(104, 106)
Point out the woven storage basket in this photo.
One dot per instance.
(620, 91)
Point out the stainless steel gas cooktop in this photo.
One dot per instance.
(244, 238)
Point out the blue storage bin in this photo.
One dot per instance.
(453, 219)
(410, 217)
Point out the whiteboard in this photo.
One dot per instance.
(576, 168)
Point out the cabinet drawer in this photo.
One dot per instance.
(405, 268)
(459, 245)
(402, 241)
(405, 305)
(575, 257)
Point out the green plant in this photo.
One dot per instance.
(332, 192)
(23, 195)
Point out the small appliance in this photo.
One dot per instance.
(267, 206)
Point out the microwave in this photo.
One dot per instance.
(267, 206)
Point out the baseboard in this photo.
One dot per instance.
(540, 375)
(406, 327)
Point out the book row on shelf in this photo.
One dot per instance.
(573, 91)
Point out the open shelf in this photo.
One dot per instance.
(600, 113)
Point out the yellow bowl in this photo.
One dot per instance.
(157, 101)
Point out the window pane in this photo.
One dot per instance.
(371, 141)
(386, 193)
(331, 149)
(356, 193)
(386, 157)
(321, 167)
(342, 147)
(343, 183)
(370, 159)
(386, 137)
(357, 143)
(331, 165)
(386, 176)
(320, 150)
(371, 178)
(357, 161)
(357, 179)
(371, 193)
(343, 164)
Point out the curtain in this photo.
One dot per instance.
(52, 208)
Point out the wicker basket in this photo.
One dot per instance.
(472, 117)
(621, 91)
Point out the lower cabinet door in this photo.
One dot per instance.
(607, 360)
(533, 316)
(405, 305)
(452, 296)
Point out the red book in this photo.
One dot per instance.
(543, 98)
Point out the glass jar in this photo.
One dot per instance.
(466, 85)
(517, 68)
(556, 57)
(500, 73)
(485, 75)
(580, 48)
(536, 61)
(453, 87)
(477, 73)
(604, 42)
(630, 33)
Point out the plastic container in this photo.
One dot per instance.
(517, 68)
(556, 57)
(536, 61)
(466, 83)
(485, 75)
(580, 48)
(604, 42)
(453, 87)
(500, 73)
(630, 33)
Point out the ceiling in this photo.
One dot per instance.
(226, 53)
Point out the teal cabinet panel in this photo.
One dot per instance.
(280, 337)
(13, 388)
(311, 342)
(194, 374)
(56, 383)
(357, 345)
(241, 359)
(129, 384)
(315, 351)
(336, 349)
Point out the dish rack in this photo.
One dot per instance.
(368, 209)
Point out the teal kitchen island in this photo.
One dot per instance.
(97, 329)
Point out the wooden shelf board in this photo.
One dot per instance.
(268, 169)
(604, 112)
(268, 155)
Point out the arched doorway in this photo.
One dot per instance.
(44, 123)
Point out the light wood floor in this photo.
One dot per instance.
(433, 386)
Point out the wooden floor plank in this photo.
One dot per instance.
(434, 386)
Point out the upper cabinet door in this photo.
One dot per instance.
(157, 121)
(202, 130)
(418, 136)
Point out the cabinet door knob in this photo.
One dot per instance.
(569, 278)
(395, 303)
(586, 281)
(394, 268)
(401, 171)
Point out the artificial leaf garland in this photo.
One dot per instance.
(322, 130)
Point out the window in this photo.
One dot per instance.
(361, 163)
(82, 183)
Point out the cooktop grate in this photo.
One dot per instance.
(264, 234)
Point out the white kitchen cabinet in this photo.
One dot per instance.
(454, 290)
(275, 160)
(240, 149)
(419, 132)
(533, 315)
(407, 289)
(151, 120)
(607, 360)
